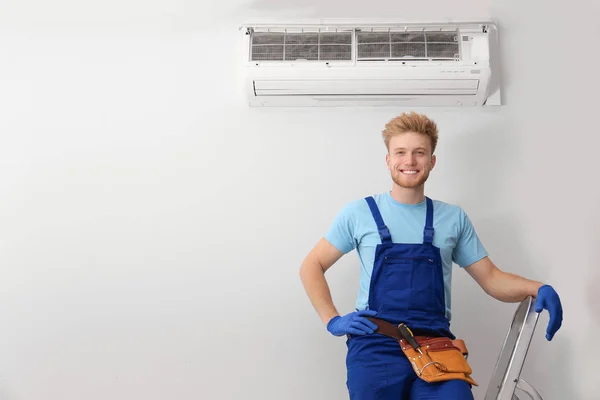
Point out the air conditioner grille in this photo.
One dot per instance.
(321, 46)
(409, 45)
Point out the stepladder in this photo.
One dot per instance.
(506, 382)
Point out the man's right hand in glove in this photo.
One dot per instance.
(354, 323)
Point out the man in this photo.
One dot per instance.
(406, 244)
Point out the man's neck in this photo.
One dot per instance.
(408, 196)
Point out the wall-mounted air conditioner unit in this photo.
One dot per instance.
(445, 64)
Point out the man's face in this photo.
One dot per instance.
(409, 159)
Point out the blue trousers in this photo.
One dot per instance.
(378, 370)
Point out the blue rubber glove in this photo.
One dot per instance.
(354, 323)
(547, 299)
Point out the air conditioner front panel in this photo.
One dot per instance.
(366, 87)
(387, 65)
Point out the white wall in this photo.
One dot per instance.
(152, 226)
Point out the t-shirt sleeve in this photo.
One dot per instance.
(469, 248)
(341, 230)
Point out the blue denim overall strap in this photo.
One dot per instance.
(407, 283)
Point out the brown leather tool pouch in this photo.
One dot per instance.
(440, 359)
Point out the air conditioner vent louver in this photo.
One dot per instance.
(317, 46)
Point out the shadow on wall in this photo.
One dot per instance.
(497, 62)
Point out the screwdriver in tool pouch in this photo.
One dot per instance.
(408, 336)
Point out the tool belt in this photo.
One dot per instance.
(435, 359)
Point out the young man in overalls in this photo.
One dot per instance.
(406, 244)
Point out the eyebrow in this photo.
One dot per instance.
(404, 148)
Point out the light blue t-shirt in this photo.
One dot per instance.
(455, 236)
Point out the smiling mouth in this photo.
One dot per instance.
(408, 171)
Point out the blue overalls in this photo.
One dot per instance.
(407, 285)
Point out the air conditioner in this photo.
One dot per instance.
(445, 64)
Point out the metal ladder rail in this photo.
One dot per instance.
(506, 378)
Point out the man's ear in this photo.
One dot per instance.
(387, 160)
(433, 160)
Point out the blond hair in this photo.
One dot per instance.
(411, 122)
